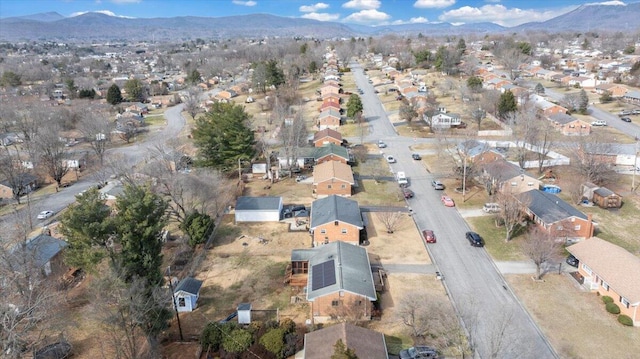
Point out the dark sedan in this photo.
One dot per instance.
(475, 239)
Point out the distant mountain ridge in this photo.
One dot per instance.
(101, 27)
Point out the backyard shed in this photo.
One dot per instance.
(244, 313)
(186, 294)
(258, 209)
(606, 198)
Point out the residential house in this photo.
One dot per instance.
(365, 343)
(138, 107)
(335, 218)
(615, 90)
(557, 217)
(443, 119)
(479, 152)
(258, 209)
(548, 108)
(505, 177)
(339, 281)
(226, 95)
(41, 253)
(186, 294)
(329, 89)
(331, 152)
(76, 161)
(332, 178)
(304, 158)
(21, 184)
(329, 118)
(632, 97)
(570, 126)
(326, 105)
(610, 271)
(326, 136)
(9, 138)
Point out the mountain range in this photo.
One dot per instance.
(100, 27)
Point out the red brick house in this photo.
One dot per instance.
(570, 126)
(335, 218)
(331, 152)
(332, 177)
(329, 118)
(615, 90)
(327, 136)
(338, 280)
(612, 271)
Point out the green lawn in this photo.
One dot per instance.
(494, 239)
(385, 193)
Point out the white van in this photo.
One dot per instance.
(402, 179)
(491, 208)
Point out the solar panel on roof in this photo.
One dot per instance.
(323, 275)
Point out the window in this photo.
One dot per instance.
(605, 285)
(329, 186)
(530, 184)
(358, 302)
(335, 303)
(344, 231)
(513, 184)
(587, 269)
(323, 231)
(576, 227)
(624, 302)
(181, 302)
(343, 186)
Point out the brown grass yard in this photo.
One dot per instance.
(575, 322)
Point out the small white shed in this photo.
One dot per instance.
(244, 313)
(258, 209)
(186, 294)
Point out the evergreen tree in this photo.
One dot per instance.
(138, 223)
(461, 45)
(223, 136)
(506, 104)
(87, 227)
(584, 102)
(135, 90)
(194, 77)
(539, 89)
(275, 75)
(114, 96)
(354, 105)
(474, 83)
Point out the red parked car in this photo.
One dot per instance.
(447, 201)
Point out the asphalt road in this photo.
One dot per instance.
(133, 154)
(497, 323)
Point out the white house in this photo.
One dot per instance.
(444, 119)
(186, 294)
(258, 209)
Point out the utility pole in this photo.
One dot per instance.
(175, 306)
(635, 166)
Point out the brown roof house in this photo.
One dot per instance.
(557, 217)
(615, 90)
(612, 271)
(332, 177)
(364, 342)
(335, 218)
(505, 177)
(327, 136)
(331, 152)
(339, 282)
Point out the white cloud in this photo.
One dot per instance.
(612, 3)
(105, 12)
(314, 7)
(367, 16)
(433, 3)
(413, 20)
(500, 15)
(125, 1)
(493, 1)
(321, 16)
(245, 3)
(362, 4)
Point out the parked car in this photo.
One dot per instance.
(45, 214)
(491, 208)
(475, 239)
(402, 179)
(625, 119)
(599, 123)
(572, 261)
(407, 193)
(625, 112)
(447, 201)
(418, 352)
(437, 185)
(291, 210)
(391, 159)
(429, 236)
(381, 144)
(416, 157)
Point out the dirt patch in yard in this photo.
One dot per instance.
(574, 321)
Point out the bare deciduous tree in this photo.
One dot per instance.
(390, 220)
(590, 158)
(14, 170)
(192, 101)
(96, 128)
(541, 248)
(52, 152)
(293, 134)
(511, 212)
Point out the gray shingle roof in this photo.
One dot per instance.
(40, 249)
(189, 285)
(549, 207)
(352, 270)
(604, 192)
(335, 208)
(258, 203)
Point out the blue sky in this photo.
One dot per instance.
(366, 12)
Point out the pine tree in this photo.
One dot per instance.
(114, 96)
(354, 105)
(506, 104)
